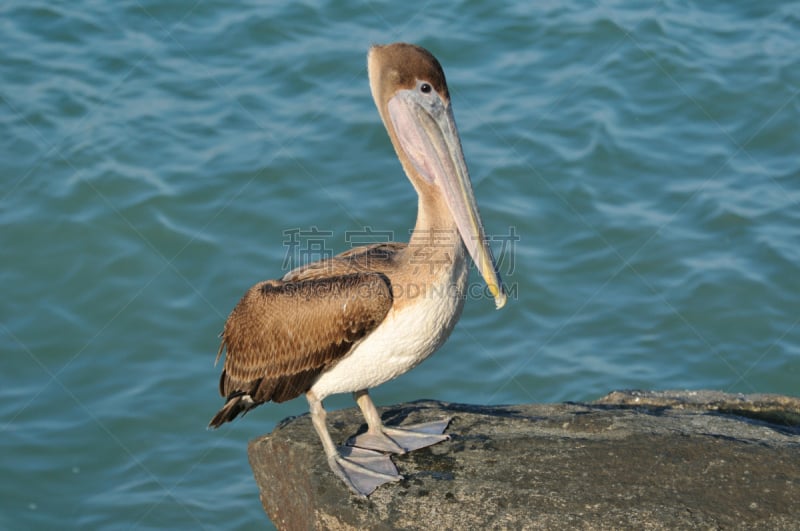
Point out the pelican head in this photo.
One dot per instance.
(410, 91)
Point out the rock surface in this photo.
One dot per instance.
(645, 460)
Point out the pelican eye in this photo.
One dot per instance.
(425, 88)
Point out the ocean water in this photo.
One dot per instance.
(636, 165)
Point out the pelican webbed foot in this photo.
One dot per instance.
(402, 440)
(363, 470)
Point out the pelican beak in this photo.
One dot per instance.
(426, 130)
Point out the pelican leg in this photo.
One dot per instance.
(394, 440)
(362, 470)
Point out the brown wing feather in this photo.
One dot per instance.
(283, 334)
(379, 257)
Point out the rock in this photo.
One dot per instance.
(654, 460)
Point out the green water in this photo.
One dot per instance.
(635, 163)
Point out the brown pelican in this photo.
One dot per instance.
(368, 315)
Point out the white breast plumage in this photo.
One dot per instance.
(403, 340)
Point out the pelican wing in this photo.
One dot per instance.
(283, 334)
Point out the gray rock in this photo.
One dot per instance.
(645, 460)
